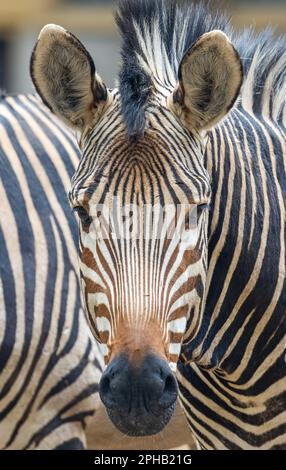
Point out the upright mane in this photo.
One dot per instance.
(157, 33)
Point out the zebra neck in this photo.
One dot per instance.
(245, 158)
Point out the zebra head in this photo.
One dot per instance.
(142, 193)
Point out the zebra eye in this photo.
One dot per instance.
(83, 215)
(201, 208)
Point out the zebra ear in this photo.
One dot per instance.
(64, 75)
(210, 77)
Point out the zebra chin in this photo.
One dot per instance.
(140, 399)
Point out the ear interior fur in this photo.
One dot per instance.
(210, 77)
(64, 75)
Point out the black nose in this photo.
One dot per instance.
(140, 400)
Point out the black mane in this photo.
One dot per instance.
(157, 33)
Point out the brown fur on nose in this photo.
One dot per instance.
(136, 341)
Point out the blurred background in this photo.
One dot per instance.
(92, 21)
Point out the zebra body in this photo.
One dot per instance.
(49, 363)
(214, 303)
(234, 386)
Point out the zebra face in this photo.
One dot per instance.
(143, 210)
(142, 193)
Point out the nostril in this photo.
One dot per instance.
(170, 391)
(169, 385)
(105, 392)
(105, 385)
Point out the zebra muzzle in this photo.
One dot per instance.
(140, 399)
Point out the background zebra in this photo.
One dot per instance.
(50, 365)
(148, 142)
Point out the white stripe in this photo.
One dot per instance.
(178, 325)
(175, 348)
(102, 324)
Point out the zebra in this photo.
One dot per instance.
(197, 121)
(50, 364)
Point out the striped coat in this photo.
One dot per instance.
(232, 375)
(49, 363)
